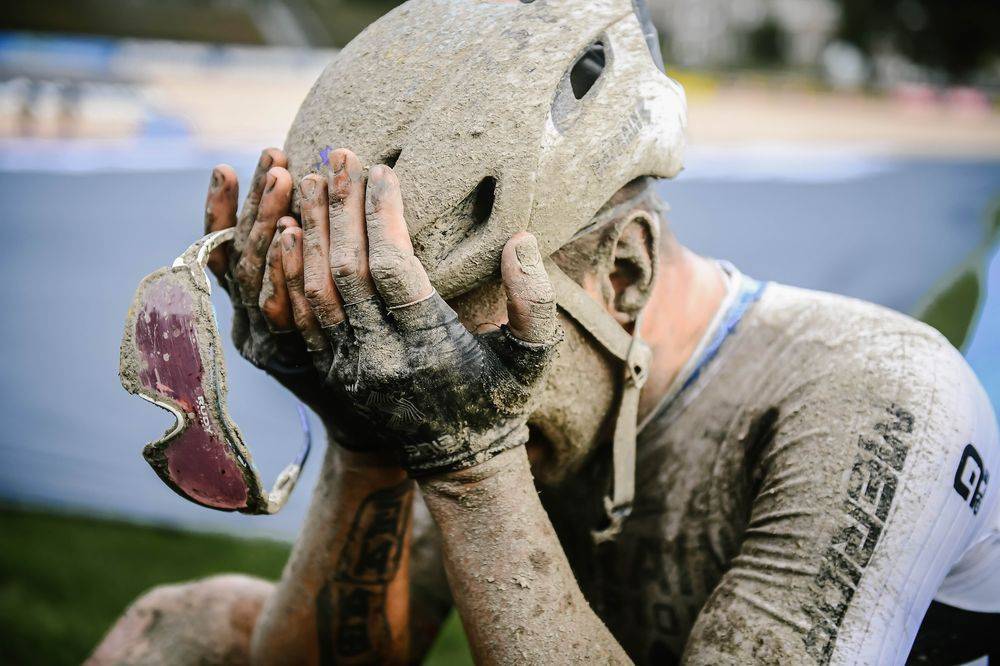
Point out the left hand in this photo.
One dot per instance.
(269, 342)
(442, 398)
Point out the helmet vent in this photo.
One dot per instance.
(466, 218)
(485, 197)
(588, 69)
(391, 159)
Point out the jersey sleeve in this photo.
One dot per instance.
(875, 481)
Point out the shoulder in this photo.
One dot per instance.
(804, 316)
(204, 621)
(847, 356)
(847, 335)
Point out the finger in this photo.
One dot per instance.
(319, 287)
(220, 213)
(274, 301)
(302, 313)
(273, 205)
(248, 214)
(531, 304)
(398, 274)
(348, 240)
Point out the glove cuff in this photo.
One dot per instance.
(449, 454)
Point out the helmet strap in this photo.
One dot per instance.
(636, 357)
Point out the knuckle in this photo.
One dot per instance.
(314, 292)
(339, 190)
(386, 263)
(344, 262)
(544, 302)
(310, 235)
(293, 281)
(274, 262)
(257, 242)
(383, 273)
(247, 214)
(242, 272)
(271, 309)
(374, 215)
(540, 312)
(537, 293)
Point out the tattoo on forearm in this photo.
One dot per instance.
(350, 609)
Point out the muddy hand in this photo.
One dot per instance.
(393, 350)
(249, 269)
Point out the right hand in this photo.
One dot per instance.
(250, 270)
(395, 354)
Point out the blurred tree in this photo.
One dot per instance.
(767, 44)
(955, 37)
(344, 19)
(321, 23)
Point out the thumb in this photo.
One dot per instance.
(531, 305)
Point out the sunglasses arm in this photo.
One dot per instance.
(197, 254)
(285, 483)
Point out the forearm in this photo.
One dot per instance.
(509, 576)
(344, 593)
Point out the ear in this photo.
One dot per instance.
(629, 282)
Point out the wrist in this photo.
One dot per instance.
(375, 465)
(456, 485)
(454, 453)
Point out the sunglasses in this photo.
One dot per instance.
(171, 355)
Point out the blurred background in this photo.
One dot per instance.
(844, 145)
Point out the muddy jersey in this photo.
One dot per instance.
(823, 474)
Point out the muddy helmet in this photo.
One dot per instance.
(497, 117)
(500, 116)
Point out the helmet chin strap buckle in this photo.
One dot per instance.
(636, 357)
(616, 518)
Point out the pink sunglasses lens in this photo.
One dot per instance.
(198, 461)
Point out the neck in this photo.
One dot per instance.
(688, 292)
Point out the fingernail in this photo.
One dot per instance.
(308, 187)
(288, 241)
(377, 172)
(216, 180)
(527, 255)
(339, 181)
(338, 163)
(271, 180)
(266, 160)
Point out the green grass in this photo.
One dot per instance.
(954, 303)
(65, 579)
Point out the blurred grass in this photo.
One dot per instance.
(64, 580)
(953, 306)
